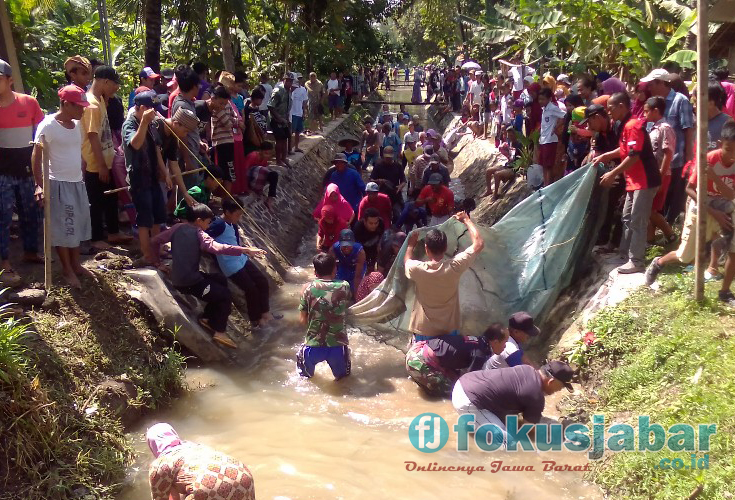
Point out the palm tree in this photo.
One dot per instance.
(153, 23)
(7, 46)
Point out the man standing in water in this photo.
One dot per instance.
(436, 309)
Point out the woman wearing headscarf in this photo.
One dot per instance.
(333, 198)
(641, 95)
(329, 228)
(184, 470)
(612, 86)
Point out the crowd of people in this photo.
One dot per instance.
(185, 137)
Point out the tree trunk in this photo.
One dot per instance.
(224, 28)
(153, 34)
(462, 33)
(7, 47)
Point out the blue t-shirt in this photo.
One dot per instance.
(680, 115)
(518, 123)
(229, 264)
(239, 102)
(131, 99)
(351, 186)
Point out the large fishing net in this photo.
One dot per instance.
(530, 256)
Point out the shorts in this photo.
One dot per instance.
(338, 358)
(149, 206)
(297, 124)
(70, 220)
(660, 199)
(225, 154)
(333, 101)
(431, 380)
(280, 132)
(547, 155)
(687, 248)
(488, 115)
(315, 109)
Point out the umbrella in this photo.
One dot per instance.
(471, 65)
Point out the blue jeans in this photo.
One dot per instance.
(370, 158)
(18, 192)
(338, 358)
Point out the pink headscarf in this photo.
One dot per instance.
(342, 208)
(162, 438)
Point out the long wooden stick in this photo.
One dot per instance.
(47, 281)
(125, 188)
(700, 261)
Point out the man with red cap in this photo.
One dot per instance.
(59, 141)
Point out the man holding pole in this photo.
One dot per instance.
(58, 143)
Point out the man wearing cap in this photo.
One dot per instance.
(350, 258)
(145, 170)
(168, 133)
(435, 167)
(299, 101)
(438, 197)
(59, 140)
(379, 201)
(680, 116)
(280, 108)
(349, 181)
(195, 149)
(78, 71)
(493, 395)
(98, 151)
(20, 114)
(435, 139)
(642, 179)
(520, 329)
(436, 308)
(146, 78)
(564, 83)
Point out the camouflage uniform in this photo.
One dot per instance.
(434, 381)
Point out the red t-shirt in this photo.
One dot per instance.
(725, 172)
(644, 173)
(171, 99)
(17, 127)
(443, 203)
(382, 204)
(241, 185)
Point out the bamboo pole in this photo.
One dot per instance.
(47, 276)
(702, 98)
(125, 188)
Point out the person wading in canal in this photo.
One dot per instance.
(436, 310)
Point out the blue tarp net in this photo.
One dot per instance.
(530, 256)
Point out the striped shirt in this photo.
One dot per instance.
(17, 124)
(222, 125)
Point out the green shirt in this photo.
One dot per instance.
(200, 193)
(326, 303)
(281, 102)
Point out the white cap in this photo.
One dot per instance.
(564, 78)
(528, 79)
(657, 74)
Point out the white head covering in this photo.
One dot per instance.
(162, 438)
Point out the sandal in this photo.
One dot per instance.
(204, 323)
(224, 340)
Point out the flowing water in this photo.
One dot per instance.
(324, 440)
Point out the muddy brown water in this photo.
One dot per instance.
(325, 440)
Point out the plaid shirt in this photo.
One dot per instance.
(258, 178)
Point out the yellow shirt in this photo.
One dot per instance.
(402, 129)
(411, 155)
(95, 119)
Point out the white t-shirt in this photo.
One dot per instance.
(551, 114)
(298, 97)
(268, 91)
(506, 108)
(63, 148)
(414, 136)
(476, 89)
(332, 84)
(517, 79)
(501, 360)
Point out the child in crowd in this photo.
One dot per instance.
(330, 227)
(474, 124)
(188, 241)
(350, 259)
(510, 147)
(59, 140)
(663, 141)
(323, 307)
(240, 268)
(200, 193)
(225, 123)
(578, 145)
(255, 174)
(552, 122)
(518, 115)
(720, 188)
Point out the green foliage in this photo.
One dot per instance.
(12, 349)
(661, 354)
(525, 155)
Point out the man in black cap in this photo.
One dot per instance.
(350, 257)
(435, 167)
(144, 170)
(606, 138)
(492, 395)
(520, 329)
(98, 151)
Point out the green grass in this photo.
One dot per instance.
(645, 361)
(52, 447)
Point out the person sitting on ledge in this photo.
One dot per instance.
(239, 268)
(188, 241)
(436, 364)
